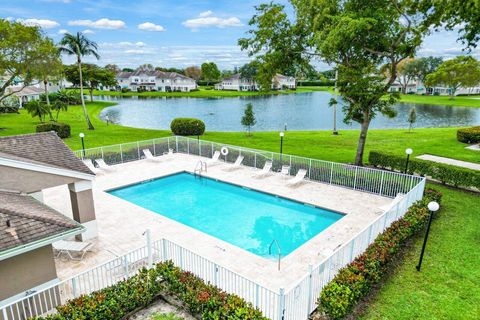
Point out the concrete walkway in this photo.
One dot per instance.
(453, 162)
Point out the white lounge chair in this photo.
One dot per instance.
(72, 248)
(236, 165)
(215, 159)
(390, 205)
(298, 178)
(285, 170)
(169, 153)
(149, 156)
(89, 164)
(265, 170)
(103, 165)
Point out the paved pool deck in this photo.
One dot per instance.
(121, 223)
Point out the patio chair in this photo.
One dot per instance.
(285, 170)
(72, 248)
(169, 153)
(236, 165)
(103, 165)
(265, 170)
(298, 178)
(215, 159)
(390, 205)
(149, 156)
(91, 166)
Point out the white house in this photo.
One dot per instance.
(237, 83)
(418, 87)
(155, 81)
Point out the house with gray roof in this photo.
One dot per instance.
(155, 80)
(238, 83)
(29, 164)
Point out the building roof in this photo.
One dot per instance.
(44, 148)
(153, 73)
(24, 220)
(27, 91)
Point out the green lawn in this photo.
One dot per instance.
(463, 101)
(204, 93)
(448, 285)
(316, 144)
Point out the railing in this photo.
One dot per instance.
(363, 179)
(300, 298)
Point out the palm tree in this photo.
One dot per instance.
(78, 45)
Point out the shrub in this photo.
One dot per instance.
(127, 296)
(355, 281)
(125, 90)
(315, 83)
(187, 127)
(447, 174)
(62, 129)
(469, 135)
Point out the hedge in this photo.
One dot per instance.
(447, 174)
(62, 129)
(356, 280)
(315, 83)
(128, 296)
(469, 135)
(187, 127)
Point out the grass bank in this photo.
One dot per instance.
(205, 93)
(462, 101)
(316, 144)
(447, 285)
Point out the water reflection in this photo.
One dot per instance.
(301, 111)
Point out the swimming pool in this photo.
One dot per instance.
(246, 218)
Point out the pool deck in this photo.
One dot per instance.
(121, 223)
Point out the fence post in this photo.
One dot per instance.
(331, 173)
(154, 148)
(351, 250)
(148, 237)
(281, 303)
(101, 149)
(257, 294)
(309, 304)
(215, 279)
(138, 150)
(164, 250)
(125, 266)
(381, 183)
(74, 287)
(176, 142)
(255, 160)
(121, 154)
(188, 146)
(355, 180)
(4, 312)
(310, 169)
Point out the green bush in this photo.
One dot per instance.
(469, 135)
(356, 280)
(447, 174)
(125, 90)
(62, 129)
(118, 301)
(187, 127)
(315, 83)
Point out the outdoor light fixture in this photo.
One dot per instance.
(82, 135)
(432, 207)
(335, 132)
(285, 127)
(282, 134)
(408, 152)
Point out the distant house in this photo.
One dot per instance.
(35, 90)
(29, 164)
(418, 87)
(155, 81)
(237, 83)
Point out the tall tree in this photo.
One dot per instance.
(146, 67)
(19, 50)
(113, 67)
(80, 46)
(93, 76)
(193, 72)
(424, 66)
(406, 73)
(462, 71)
(48, 67)
(210, 72)
(355, 36)
(248, 119)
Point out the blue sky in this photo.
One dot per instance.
(165, 33)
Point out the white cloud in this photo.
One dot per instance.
(88, 31)
(140, 44)
(135, 51)
(62, 31)
(148, 26)
(207, 19)
(42, 23)
(103, 23)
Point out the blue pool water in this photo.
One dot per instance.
(245, 218)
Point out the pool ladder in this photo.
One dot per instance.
(278, 250)
(200, 167)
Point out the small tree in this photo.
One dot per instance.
(412, 118)
(248, 119)
(37, 108)
(58, 106)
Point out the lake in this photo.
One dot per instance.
(300, 111)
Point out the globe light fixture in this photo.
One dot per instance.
(433, 207)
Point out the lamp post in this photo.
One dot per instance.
(107, 118)
(408, 152)
(281, 145)
(432, 207)
(82, 135)
(335, 132)
(285, 127)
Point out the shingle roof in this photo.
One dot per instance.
(27, 91)
(153, 73)
(44, 148)
(23, 220)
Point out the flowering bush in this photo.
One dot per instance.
(127, 296)
(353, 282)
